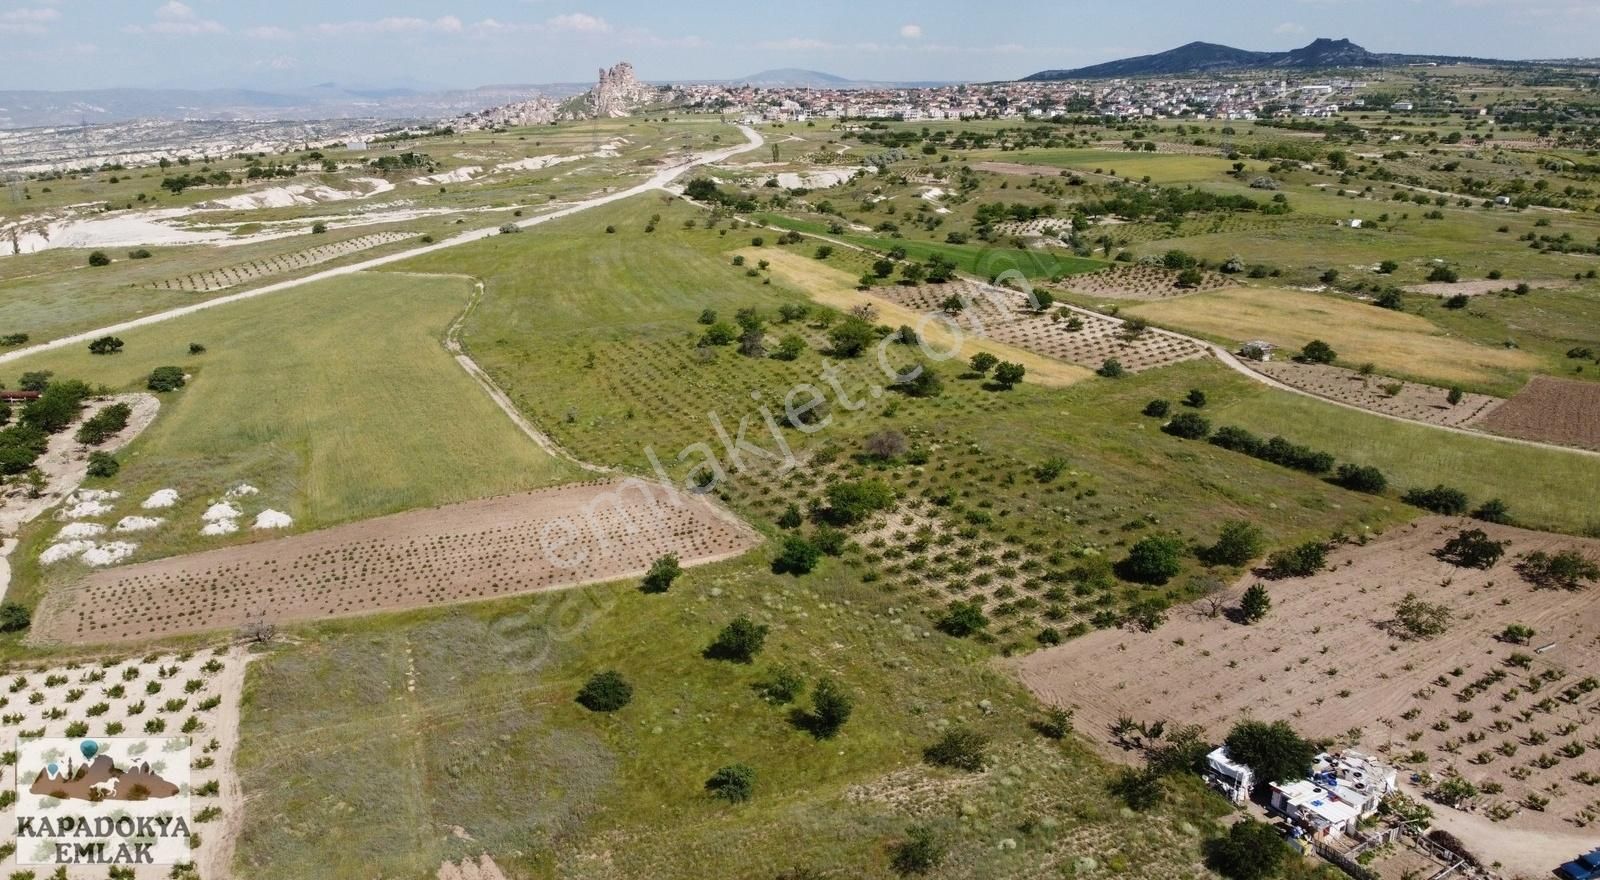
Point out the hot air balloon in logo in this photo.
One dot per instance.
(89, 748)
(53, 769)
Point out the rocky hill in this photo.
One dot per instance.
(617, 93)
(1194, 58)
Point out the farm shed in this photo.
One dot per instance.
(1316, 810)
(1233, 779)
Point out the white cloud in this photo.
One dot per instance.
(268, 32)
(579, 21)
(27, 20)
(911, 31)
(176, 18)
(1289, 27)
(447, 24)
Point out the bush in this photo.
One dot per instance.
(961, 747)
(1566, 570)
(166, 378)
(1239, 543)
(1318, 352)
(1439, 499)
(104, 424)
(1359, 478)
(854, 501)
(1196, 398)
(605, 692)
(1008, 375)
(1154, 560)
(1255, 604)
(99, 258)
(782, 685)
(1304, 560)
(14, 617)
(1189, 426)
(1111, 369)
(105, 345)
(1493, 511)
(797, 556)
(1157, 409)
(740, 641)
(830, 709)
(919, 853)
(102, 464)
(1139, 789)
(983, 362)
(962, 619)
(734, 783)
(1444, 274)
(1472, 548)
(196, 348)
(1416, 619)
(1251, 850)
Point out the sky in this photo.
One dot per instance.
(76, 44)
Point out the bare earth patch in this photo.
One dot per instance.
(1325, 660)
(1412, 400)
(1479, 288)
(1140, 283)
(550, 539)
(1553, 410)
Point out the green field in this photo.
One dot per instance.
(297, 395)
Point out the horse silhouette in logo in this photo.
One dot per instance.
(100, 780)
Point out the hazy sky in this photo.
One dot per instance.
(280, 43)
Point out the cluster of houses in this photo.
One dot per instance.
(1342, 789)
(1126, 99)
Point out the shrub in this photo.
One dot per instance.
(919, 853)
(1188, 425)
(960, 747)
(1008, 375)
(166, 378)
(1238, 543)
(1196, 398)
(1567, 570)
(1304, 560)
(740, 641)
(103, 464)
(1111, 369)
(1358, 478)
(1056, 723)
(605, 692)
(853, 501)
(962, 619)
(1472, 548)
(1155, 559)
(14, 617)
(196, 348)
(1444, 274)
(1139, 789)
(1416, 619)
(1318, 352)
(1255, 604)
(734, 783)
(1251, 850)
(782, 685)
(99, 258)
(830, 709)
(102, 425)
(1493, 511)
(797, 556)
(983, 362)
(1157, 409)
(662, 573)
(105, 345)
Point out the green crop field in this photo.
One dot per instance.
(297, 395)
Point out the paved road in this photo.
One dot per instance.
(753, 140)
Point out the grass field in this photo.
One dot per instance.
(1397, 341)
(297, 395)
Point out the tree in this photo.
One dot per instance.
(926, 383)
(1056, 723)
(1140, 789)
(962, 619)
(1238, 543)
(320, 227)
(1195, 399)
(883, 268)
(1273, 750)
(851, 502)
(797, 556)
(790, 347)
(740, 641)
(1043, 300)
(782, 685)
(1318, 352)
(1250, 850)
(1472, 548)
(1566, 570)
(851, 337)
(165, 379)
(1455, 396)
(1303, 560)
(37, 380)
(1388, 267)
(1008, 375)
(1255, 603)
(1111, 369)
(1189, 426)
(1155, 559)
(105, 345)
(1190, 278)
(719, 333)
(734, 783)
(605, 692)
(953, 304)
(824, 251)
(1157, 409)
(14, 617)
(708, 316)
(886, 445)
(99, 258)
(919, 853)
(830, 709)
(790, 518)
(1493, 511)
(983, 362)
(960, 747)
(662, 573)
(1416, 619)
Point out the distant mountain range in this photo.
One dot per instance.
(797, 78)
(1321, 54)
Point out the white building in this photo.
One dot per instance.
(1344, 788)
(1314, 809)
